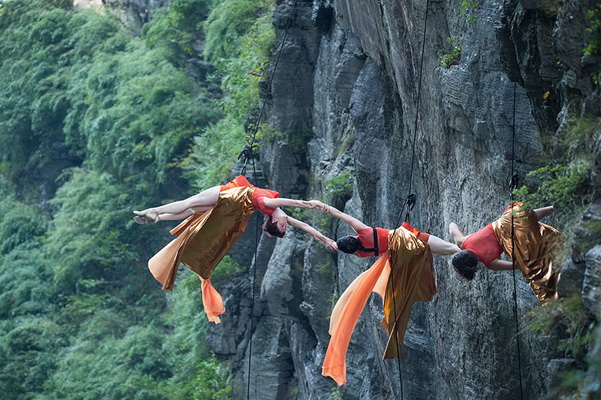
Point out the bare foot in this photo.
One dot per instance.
(149, 213)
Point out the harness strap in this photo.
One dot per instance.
(376, 248)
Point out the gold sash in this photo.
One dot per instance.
(411, 261)
(204, 239)
(535, 252)
(411, 279)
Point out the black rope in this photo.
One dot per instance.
(252, 307)
(411, 198)
(268, 89)
(247, 153)
(418, 104)
(513, 185)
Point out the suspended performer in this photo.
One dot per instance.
(403, 275)
(536, 245)
(215, 219)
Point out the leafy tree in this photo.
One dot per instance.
(76, 87)
(178, 28)
(95, 123)
(228, 23)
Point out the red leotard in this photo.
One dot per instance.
(366, 237)
(258, 197)
(484, 245)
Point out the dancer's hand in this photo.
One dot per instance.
(331, 245)
(318, 205)
(327, 242)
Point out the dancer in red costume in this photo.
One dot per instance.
(216, 218)
(536, 245)
(402, 276)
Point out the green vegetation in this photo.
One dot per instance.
(565, 181)
(78, 88)
(561, 185)
(452, 56)
(337, 191)
(324, 269)
(240, 49)
(229, 23)
(574, 327)
(214, 153)
(175, 30)
(227, 269)
(469, 7)
(335, 394)
(298, 139)
(594, 44)
(95, 123)
(340, 187)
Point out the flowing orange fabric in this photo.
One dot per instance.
(536, 246)
(411, 261)
(211, 301)
(345, 316)
(203, 240)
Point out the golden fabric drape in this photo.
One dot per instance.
(412, 274)
(536, 247)
(411, 261)
(202, 242)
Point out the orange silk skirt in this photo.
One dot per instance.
(202, 241)
(536, 247)
(401, 276)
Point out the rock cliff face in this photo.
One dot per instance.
(348, 82)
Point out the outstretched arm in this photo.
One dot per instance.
(283, 202)
(543, 212)
(442, 247)
(500, 265)
(347, 219)
(326, 241)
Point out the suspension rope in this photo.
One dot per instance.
(411, 198)
(269, 84)
(252, 307)
(418, 103)
(513, 185)
(248, 155)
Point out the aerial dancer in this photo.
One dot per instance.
(403, 275)
(536, 246)
(215, 219)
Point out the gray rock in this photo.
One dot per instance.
(349, 80)
(572, 276)
(281, 284)
(592, 383)
(591, 286)
(587, 233)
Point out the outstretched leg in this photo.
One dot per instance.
(202, 201)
